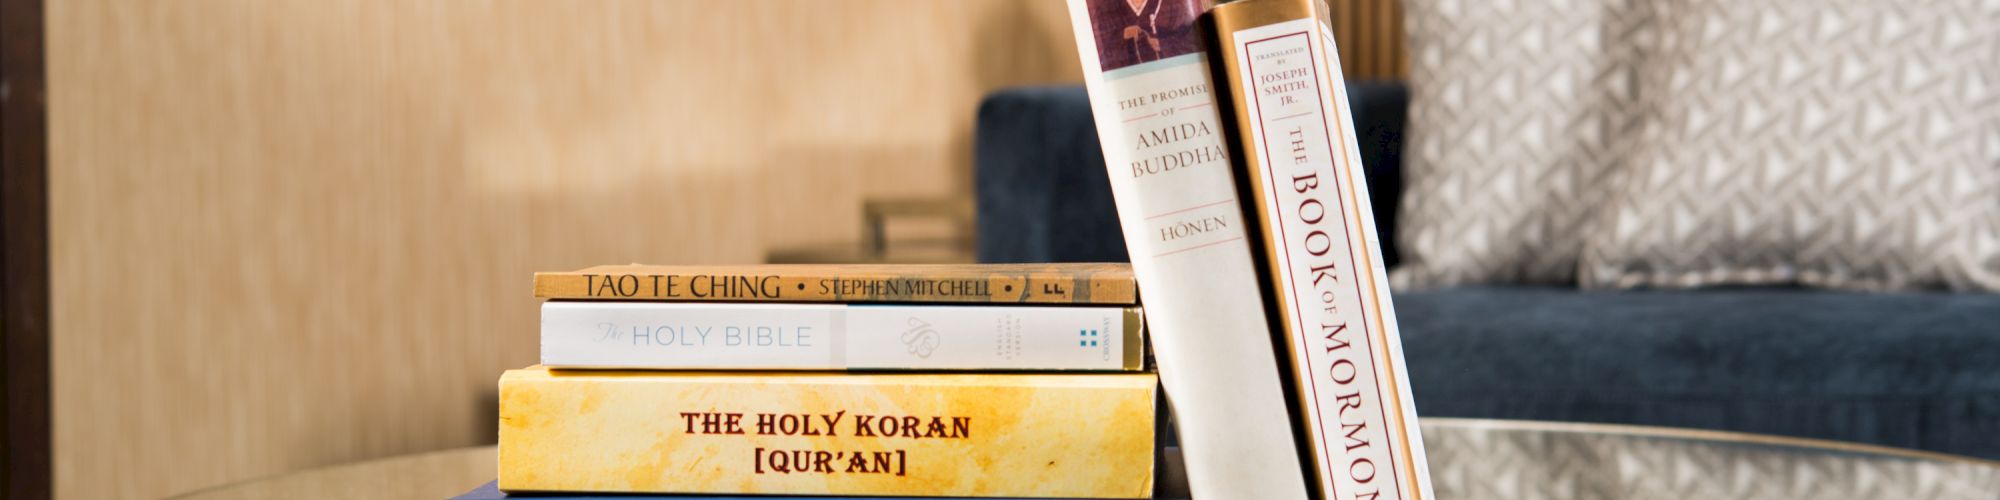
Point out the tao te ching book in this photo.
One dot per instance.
(1069, 283)
(1162, 137)
(1279, 69)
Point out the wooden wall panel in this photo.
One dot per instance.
(287, 234)
(1370, 33)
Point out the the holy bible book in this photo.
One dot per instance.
(1110, 284)
(783, 336)
(1295, 145)
(1162, 138)
(1014, 435)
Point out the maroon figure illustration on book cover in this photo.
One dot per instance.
(1139, 31)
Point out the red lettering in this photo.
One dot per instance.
(861, 428)
(1335, 371)
(1324, 272)
(766, 425)
(1354, 470)
(1316, 213)
(1325, 244)
(1354, 441)
(1333, 331)
(1303, 183)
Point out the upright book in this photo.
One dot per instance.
(967, 283)
(779, 336)
(1293, 137)
(1184, 227)
(986, 435)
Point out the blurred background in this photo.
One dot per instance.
(288, 234)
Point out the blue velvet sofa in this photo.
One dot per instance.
(1913, 370)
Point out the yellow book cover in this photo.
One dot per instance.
(1009, 435)
(985, 283)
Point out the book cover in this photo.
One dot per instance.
(491, 491)
(1162, 137)
(1170, 483)
(1281, 73)
(1109, 284)
(986, 435)
(781, 336)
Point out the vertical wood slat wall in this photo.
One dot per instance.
(1370, 33)
(286, 234)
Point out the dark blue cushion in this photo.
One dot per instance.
(1043, 194)
(1917, 370)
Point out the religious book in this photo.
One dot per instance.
(1109, 284)
(491, 491)
(1170, 483)
(1162, 137)
(1294, 144)
(804, 336)
(823, 433)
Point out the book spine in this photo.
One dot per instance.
(1150, 94)
(1075, 436)
(1282, 75)
(680, 335)
(1054, 284)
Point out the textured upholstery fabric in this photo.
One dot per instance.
(1483, 460)
(1911, 370)
(1849, 144)
(1519, 121)
(1044, 197)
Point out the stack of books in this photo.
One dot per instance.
(874, 380)
(1241, 197)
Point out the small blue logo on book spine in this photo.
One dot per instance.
(1086, 338)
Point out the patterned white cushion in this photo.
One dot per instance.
(1498, 460)
(1839, 143)
(1519, 117)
